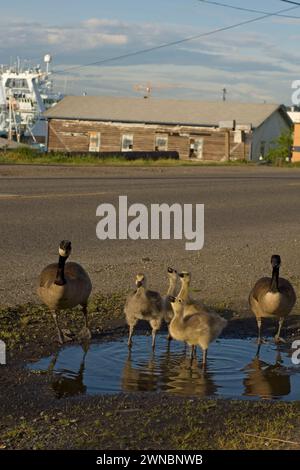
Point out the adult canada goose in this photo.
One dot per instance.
(197, 329)
(143, 304)
(167, 307)
(191, 306)
(272, 297)
(65, 285)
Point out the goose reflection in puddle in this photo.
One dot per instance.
(170, 372)
(67, 383)
(267, 380)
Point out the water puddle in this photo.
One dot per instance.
(233, 370)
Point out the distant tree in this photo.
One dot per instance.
(281, 148)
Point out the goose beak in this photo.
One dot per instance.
(171, 270)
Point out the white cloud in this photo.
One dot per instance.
(78, 37)
(173, 81)
(82, 39)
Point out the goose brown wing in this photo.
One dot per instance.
(260, 289)
(75, 271)
(286, 288)
(48, 275)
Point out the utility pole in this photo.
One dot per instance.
(224, 94)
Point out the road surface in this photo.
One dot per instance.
(250, 213)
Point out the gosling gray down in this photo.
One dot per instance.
(191, 306)
(143, 304)
(272, 297)
(65, 285)
(198, 329)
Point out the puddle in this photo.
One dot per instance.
(233, 371)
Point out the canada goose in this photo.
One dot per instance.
(197, 329)
(272, 297)
(191, 306)
(167, 307)
(143, 304)
(65, 285)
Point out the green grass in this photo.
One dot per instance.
(32, 324)
(27, 156)
(160, 423)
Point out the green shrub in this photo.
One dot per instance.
(281, 149)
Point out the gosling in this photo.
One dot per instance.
(199, 329)
(272, 297)
(168, 311)
(65, 285)
(143, 304)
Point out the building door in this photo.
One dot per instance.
(196, 148)
(95, 141)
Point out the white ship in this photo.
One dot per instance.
(24, 95)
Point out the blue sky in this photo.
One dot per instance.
(257, 62)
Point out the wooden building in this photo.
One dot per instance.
(208, 131)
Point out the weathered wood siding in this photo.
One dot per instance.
(74, 136)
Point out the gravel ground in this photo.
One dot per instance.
(250, 213)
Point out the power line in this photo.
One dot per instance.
(174, 43)
(248, 10)
(289, 1)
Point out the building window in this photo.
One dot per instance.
(127, 143)
(161, 143)
(95, 142)
(196, 148)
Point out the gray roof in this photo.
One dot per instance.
(160, 111)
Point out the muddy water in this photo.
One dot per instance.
(233, 370)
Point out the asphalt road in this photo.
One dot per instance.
(250, 213)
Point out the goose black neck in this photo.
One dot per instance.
(60, 275)
(275, 280)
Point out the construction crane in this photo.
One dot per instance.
(145, 89)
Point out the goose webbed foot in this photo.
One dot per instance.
(279, 340)
(67, 335)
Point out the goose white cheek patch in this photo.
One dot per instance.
(157, 222)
